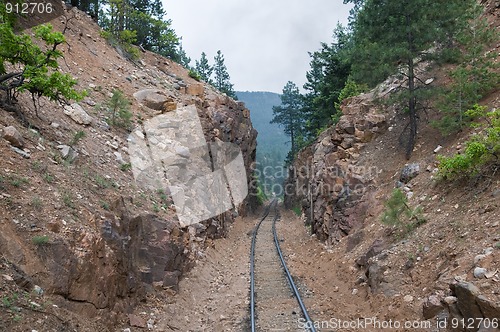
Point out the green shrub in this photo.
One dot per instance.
(37, 203)
(481, 150)
(40, 240)
(123, 40)
(194, 74)
(297, 210)
(119, 107)
(25, 66)
(102, 182)
(125, 167)
(400, 215)
(77, 137)
(68, 200)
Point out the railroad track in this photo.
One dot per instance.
(275, 303)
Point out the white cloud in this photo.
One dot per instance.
(264, 42)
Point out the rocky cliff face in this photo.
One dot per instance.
(73, 219)
(327, 179)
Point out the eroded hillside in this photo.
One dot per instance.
(81, 241)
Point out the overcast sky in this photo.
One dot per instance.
(264, 42)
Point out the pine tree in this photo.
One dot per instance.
(289, 115)
(390, 35)
(330, 68)
(204, 69)
(221, 76)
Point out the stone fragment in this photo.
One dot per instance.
(409, 172)
(479, 272)
(466, 294)
(23, 153)
(432, 306)
(78, 114)
(489, 308)
(171, 280)
(136, 321)
(12, 135)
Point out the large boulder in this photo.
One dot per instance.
(78, 114)
(12, 135)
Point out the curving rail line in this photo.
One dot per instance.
(275, 282)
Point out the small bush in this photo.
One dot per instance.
(68, 200)
(40, 240)
(77, 137)
(119, 107)
(125, 167)
(297, 210)
(36, 202)
(194, 74)
(102, 182)
(48, 178)
(482, 149)
(105, 205)
(400, 215)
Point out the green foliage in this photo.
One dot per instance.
(481, 150)
(68, 199)
(32, 68)
(36, 202)
(194, 74)
(330, 69)
(77, 137)
(474, 77)
(102, 182)
(297, 210)
(40, 240)
(105, 205)
(389, 37)
(123, 40)
(141, 23)
(125, 167)
(289, 115)
(204, 69)
(221, 77)
(119, 107)
(400, 215)
(47, 177)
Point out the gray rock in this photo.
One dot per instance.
(479, 272)
(68, 153)
(466, 294)
(21, 152)
(152, 98)
(409, 172)
(432, 306)
(478, 258)
(375, 249)
(119, 158)
(38, 290)
(12, 135)
(171, 280)
(78, 114)
(489, 309)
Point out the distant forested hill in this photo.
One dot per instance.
(272, 144)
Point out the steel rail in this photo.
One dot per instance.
(290, 279)
(283, 264)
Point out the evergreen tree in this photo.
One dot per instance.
(221, 76)
(182, 57)
(472, 78)
(392, 34)
(204, 69)
(289, 115)
(330, 68)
